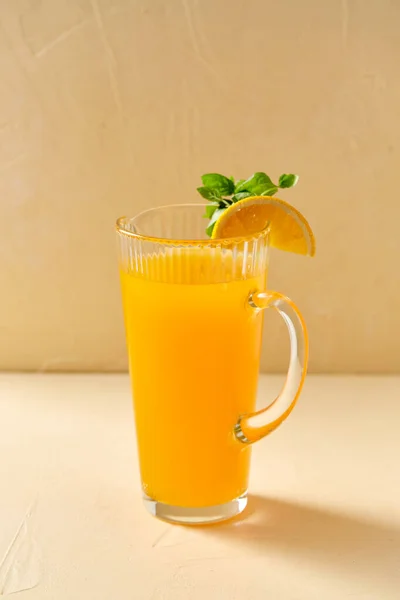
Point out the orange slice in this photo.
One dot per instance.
(290, 231)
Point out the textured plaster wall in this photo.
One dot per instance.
(111, 106)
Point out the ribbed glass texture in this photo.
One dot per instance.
(169, 244)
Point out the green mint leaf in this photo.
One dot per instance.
(209, 194)
(210, 229)
(210, 210)
(218, 183)
(257, 184)
(240, 196)
(288, 180)
(238, 184)
(217, 213)
(270, 192)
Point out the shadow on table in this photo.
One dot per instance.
(351, 546)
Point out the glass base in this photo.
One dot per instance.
(197, 515)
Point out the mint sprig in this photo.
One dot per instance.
(223, 191)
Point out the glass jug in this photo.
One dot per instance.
(193, 310)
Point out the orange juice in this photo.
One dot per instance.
(194, 347)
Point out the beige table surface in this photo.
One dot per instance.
(323, 521)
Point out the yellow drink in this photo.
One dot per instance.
(194, 346)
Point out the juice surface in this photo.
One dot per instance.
(194, 348)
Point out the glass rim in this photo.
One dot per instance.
(122, 229)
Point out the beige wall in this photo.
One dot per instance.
(110, 106)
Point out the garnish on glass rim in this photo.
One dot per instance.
(223, 191)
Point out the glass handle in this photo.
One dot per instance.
(252, 427)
